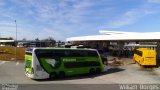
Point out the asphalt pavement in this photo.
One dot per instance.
(12, 73)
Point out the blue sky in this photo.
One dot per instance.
(61, 19)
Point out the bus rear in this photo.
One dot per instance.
(149, 58)
(145, 57)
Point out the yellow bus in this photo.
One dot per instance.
(145, 57)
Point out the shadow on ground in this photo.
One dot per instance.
(110, 71)
(114, 70)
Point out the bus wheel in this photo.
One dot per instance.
(91, 71)
(53, 75)
(98, 70)
(61, 74)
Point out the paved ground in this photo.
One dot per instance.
(13, 73)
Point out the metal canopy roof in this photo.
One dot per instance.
(117, 35)
(6, 41)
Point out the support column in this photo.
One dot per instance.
(120, 48)
(158, 53)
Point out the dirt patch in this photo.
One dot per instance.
(10, 53)
(117, 61)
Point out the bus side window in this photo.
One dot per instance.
(83, 53)
(92, 53)
(67, 53)
(55, 56)
(75, 53)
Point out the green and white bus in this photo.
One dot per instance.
(43, 63)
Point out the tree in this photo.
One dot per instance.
(59, 43)
(10, 38)
(24, 39)
(50, 41)
(37, 39)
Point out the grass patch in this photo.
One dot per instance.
(8, 53)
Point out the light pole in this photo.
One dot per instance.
(16, 42)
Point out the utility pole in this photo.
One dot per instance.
(16, 42)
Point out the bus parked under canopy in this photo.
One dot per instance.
(145, 57)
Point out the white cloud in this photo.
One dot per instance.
(130, 17)
(2, 3)
(154, 1)
(46, 32)
(57, 14)
(50, 13)
(56, 11)
(9, 30)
